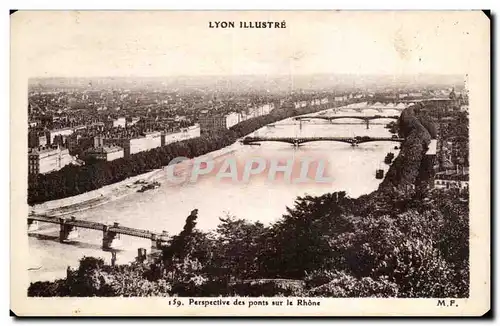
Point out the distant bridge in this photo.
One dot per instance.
(376, 108)
(296, 141)
(336, 117)
(366, 119)
(111, 233)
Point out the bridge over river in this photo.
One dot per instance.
(110, 233)
(296, 141)
(366, 119)
(380, 109)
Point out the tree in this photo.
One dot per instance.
(179, 245)
(301, 237)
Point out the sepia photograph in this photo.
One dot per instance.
(250, 162)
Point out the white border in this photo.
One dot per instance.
(147, 4)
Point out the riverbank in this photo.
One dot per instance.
(410, 168)
(72, 180)
(110, 192)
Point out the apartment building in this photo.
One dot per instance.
(46, 159)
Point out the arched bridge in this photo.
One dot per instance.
(337, 117)
(378, 109)
(366, 119)
(296, 141)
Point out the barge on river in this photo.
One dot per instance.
(149, 186)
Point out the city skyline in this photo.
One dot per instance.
(244, 83)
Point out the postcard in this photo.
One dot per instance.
(250, 163)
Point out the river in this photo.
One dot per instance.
(352, 169)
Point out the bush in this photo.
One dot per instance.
(48, 289)
(268, 288)
(343, 285)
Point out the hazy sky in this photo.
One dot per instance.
(181, 43)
